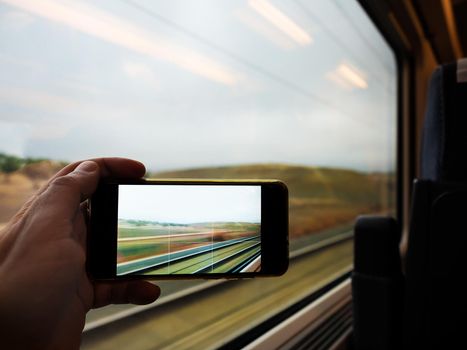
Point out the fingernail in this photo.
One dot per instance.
(87, 166)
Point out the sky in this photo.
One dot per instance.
(188, 83)
(190, 204)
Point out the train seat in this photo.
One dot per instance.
(436, 301)
(435, 295)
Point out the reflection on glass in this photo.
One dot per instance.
(92, 21)
(304, 92)
(281, 21)
(352, 76)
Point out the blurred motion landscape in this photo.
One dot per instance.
(162, 247)
(319, 197)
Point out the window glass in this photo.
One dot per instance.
(302, 91)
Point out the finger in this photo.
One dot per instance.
(115, 167)
(120, 167)
(133, 292)
(81, 224)
(64, 194)
(22, 211)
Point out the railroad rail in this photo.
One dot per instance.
(216, 257)
(296, 254)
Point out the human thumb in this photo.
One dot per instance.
(66, 192)
(85, 178)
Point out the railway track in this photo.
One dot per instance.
(100, 318)
(220, 257)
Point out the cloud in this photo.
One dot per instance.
(100, 24)
(16, 20)
(79, 86)
(13, 136)
(35, 99)
(140, 71)
(24, 63)
(50, 131)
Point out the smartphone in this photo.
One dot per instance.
(185, 229)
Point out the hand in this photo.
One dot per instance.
(45, 292)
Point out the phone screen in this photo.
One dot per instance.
(188, 229)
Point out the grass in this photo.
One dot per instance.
(152, 239)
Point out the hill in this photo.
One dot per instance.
(302, 181)
(319, 197)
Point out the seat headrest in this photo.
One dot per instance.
(444, 145)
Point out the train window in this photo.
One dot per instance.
(300, 91)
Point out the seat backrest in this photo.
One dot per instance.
(433, 313)
(436, 298)
(377, 284)
(444, 145)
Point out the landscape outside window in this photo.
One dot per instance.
(301, 91)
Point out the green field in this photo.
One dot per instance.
(138, 239)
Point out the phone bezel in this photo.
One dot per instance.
(102, 235)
